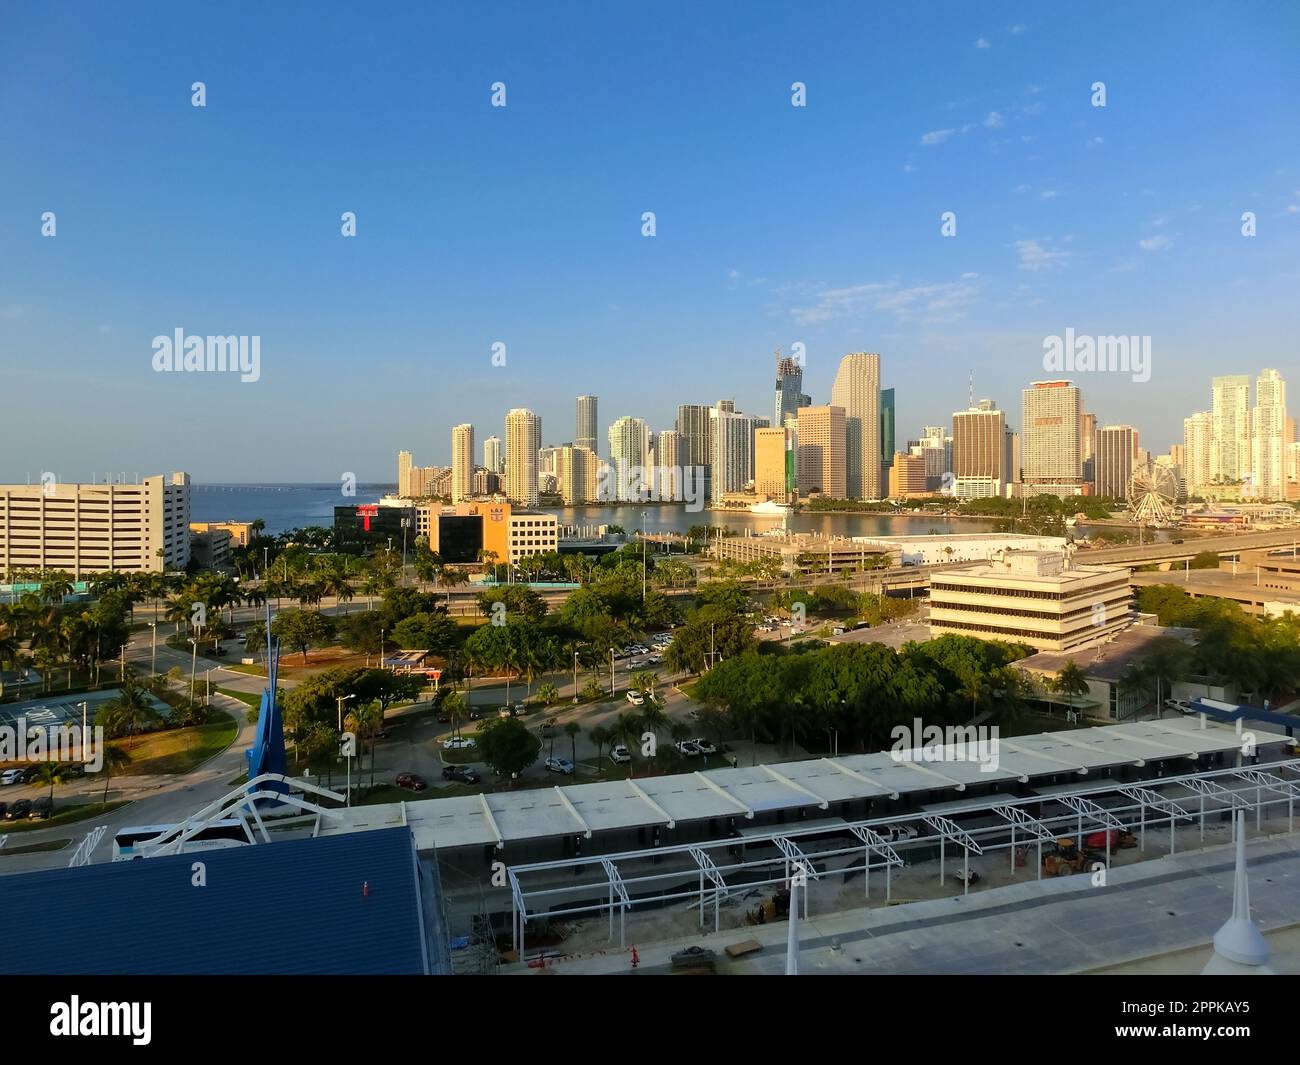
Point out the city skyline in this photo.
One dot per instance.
(1068, 216)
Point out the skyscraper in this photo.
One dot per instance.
(1050, 440)
(492, 454)
(821, 451)
(587, 423)
(887, 419)
(1230, 440)
(693, 447)
(731, 450)
(979, 449)
(857, 391)
(774, 471)
(1198, 451)
(523, 439)
(1087, 441)
(1269, 436)
(462, 461)
(629, 455)
(578, 473)
(1115, 454)
(404, 474)
(668, 464)
(789, 390)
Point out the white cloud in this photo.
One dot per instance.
(1035, 257)
(908, 168)
(1048, 194)
(1018, 28)
(937, 136)
(1094, 142)
(1293, 208)
(982, 43)
(1155, 243)
(935, 302)
(994, 120)
(1024, 188)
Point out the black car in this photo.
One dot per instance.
(74, 769)
(459, 772)
(42, 808)
(18, 810)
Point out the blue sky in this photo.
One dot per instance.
(522, 225)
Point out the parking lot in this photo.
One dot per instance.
(59, 709)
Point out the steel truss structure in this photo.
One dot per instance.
(1008, 823)
(242, 805)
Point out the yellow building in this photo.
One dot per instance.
(821, 453)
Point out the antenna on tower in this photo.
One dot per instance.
(971, 402)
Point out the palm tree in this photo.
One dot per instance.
(130, 711)
(600, 736)
(365, 719)
(548, 693)
(9, 645)
(51, 773)
(627, 731)
(114, 758)
(571, 729)
(1070, 681)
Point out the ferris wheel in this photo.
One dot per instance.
(1152, 494)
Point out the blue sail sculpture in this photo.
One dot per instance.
(267, 753)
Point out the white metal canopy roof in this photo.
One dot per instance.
(501, 818)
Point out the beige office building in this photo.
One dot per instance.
(92, 528)
(404, 465)
(856, 390)
(979, 451)
(907, 479)
(1037, 598)
(462, 461)
(821, 456)
(1051, 453)
(1270, 434)
(773, 449)
(668, 465)
(523, 441)
(1198, 452)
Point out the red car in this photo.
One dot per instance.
(411, 781)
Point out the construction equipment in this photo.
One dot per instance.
(1119, 839)
(1064, 859)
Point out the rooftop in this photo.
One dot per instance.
(1108, 660)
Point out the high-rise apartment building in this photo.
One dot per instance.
(629, 457)
(1087, 444)
(668, 465)
(822, 443)
(731, 451)
(578, 474)
(404, 463)
(1269, 437)
(1115, 454)
(523, 440)
(1198, 451)
(588, 425)
(492, 454)
(92, 528)
(857, 391)
(979, 446)
(1230, 434)
(1051, 459)
(888, 421)
(462, 461)
(774, 464)
(693, 427)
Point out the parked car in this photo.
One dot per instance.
(521, 709)
(459, 772)
(444, 718)
(689, 748)
(18, 810)
(705, 746)
(73, 769)
(896, 833)
(42, 808)
(459, 743)
(13, 776)
(241, 638)
(635, 698)
(654, 660)
(411, 781)
(560, 765)
(618, 755)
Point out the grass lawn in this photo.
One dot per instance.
(34, 848)
(177, 750)
(247, 698)
(68, 815)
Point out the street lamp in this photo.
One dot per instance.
(575, 676)
(153, 650)
(643, 558)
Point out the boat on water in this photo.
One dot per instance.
(767, 507)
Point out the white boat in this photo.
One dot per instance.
(767, 507)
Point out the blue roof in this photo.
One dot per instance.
(290, 907)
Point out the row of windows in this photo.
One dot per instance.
(1026, 593)
(1013, 635)
(1046, 615)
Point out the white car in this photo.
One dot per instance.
(635, 698)
(560, 765)
(689, 748)
(654, 660)
(12, 776)
(619, 756)
(464, 743)
(704, 745)
(896, 833)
